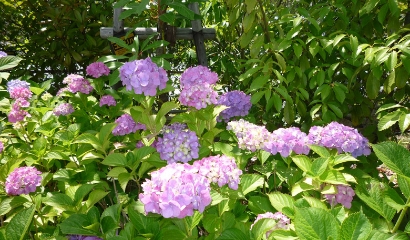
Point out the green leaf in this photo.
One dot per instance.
(18, 226)
(391, 61)
(337, 39)
(368, 7)
(120, 43)
(393, 199)
(250, 182)
(95, 196)
(336, 110)
(320, 150)
(79, 224)
(155, 44)
(401, 77)
(356, 227)
(262, 226)
(282, 202)
(303, 162)
(232, 234)
(315, 223)
(123, 179)
(319, 166)
(333, 177)
(259, 204)
(281, 61)
(183, 10)
(259, 82)
(165, 108)
(372, 86)
(395, 156)
(297, 49)
(373, 197)
(289, 112)
(9, 62)
(404, 122)
(59, 201)
(341, 158)
(404, 184)
(389, 120)
(115, 159)
(10, 203)
(389, 82)
(379, 235)
(388, 106)
(284, 44)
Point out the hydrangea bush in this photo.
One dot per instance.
(98, 162)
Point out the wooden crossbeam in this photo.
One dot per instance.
(143, 33)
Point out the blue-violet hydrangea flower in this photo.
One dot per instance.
(238, 102)
(17, 84)
(175, 190)
(107, 100)
(177, 144)
(126, 125)
(143, 76)
(82, 237)
(23, 180)
(3, 54)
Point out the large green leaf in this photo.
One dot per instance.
(389, 120)
(282, 202)
(18, 226)
(250, 182)
(9, 62)
(355, 227)
(395, 156)
(315, 224)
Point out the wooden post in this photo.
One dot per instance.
(198, 36)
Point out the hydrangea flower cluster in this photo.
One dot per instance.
(175, 190)
(282, 221)
(97, 69)
(250, 136)
(126, 125)
(81, 237)
(1, 147)
(219, 169)
(77, 83)
(143, 76)
(20, 91)
(23, 180)
(63, 109)
(178, 144)
(343, 196)
(197, 87)
(341, 137)
(238, 102)
(3, 54)
(107, 100)
(285, 140)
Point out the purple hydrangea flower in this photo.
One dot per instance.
(341, 137)
(282, 222)
(1, 147)
(20, 92)
(107, 100)
(63, 109)
(198, 96)
(126, 125)
(17, 115)
(178, 144)
(77, 83)
(23, 180)
(17, 84)
(285, 140)
(197, 76)
(143, 76)
(19, 103)
(3, 54)
(250, 136)
(61, 91)
(220, 169)
(175, 191)
(81, 237)
(343, 196)
(238, 102)
(97, 69)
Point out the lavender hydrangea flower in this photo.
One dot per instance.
(341, 137)
(126, 125)
(238, 102)
(23, 180)
(143, 76)
(285, 140)
(1, 147)
(81, 237)
(178, 144)
(3, 54)
(17, 84)
(97, 69)
(17, 115)
(175, 190)
(198, 96)
(107, 100)
(20, 92)
(282, 222)
(63, 109)
(343, 196)
(197, 76)
(77, 83)
(220, 169)
(250, 136)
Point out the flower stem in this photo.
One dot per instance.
(400, 219)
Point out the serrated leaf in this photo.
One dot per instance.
(8, 62)
(395, 157)
(404, 122)
(303, 162)
(281, 201)
(183, 10)
(18, 226)
(389, 120)
(115, 159)
(356, 226)
(250, 182)
(307, 227)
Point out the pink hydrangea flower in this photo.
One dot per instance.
(343, 196)
(97, 69)
(77, 83)
(107, 100)
(1, 146)
(23, 180)
(175, 191)
(198, 96)
(11, 85)
(250, 136)
(126, 125)
(17, 115)
(197, 76)
(63, 109)
(143, 76)
(20, 92)
(286, 140)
